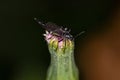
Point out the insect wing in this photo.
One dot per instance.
(51, 27)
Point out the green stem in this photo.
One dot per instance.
(62, 65)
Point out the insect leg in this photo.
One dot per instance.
(79, 34)
(39, 22)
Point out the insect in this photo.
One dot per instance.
(58, 30)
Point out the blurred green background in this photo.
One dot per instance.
(23, 50)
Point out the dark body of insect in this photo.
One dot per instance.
(56, 30)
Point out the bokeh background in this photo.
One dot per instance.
(23, 50)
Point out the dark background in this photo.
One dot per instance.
(23, 50)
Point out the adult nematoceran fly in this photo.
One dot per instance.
(59, 30)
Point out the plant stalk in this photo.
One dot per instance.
(62, 66)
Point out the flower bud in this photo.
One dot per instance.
(58, 44)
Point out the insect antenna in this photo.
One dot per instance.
(39, 22)
(79, 34)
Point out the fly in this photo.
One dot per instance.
(58, 30)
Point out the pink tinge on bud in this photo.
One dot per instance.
(61, 44)
(50, 36)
